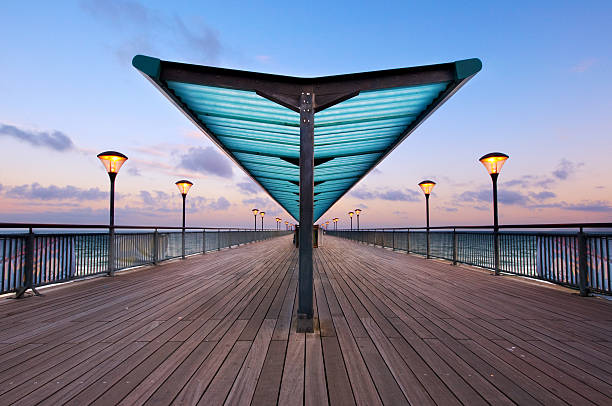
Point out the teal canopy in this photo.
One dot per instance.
(254, 118)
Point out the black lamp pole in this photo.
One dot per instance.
(495, 224)
(111, 223)
(183, 231)
(255, 221)
(427, 216)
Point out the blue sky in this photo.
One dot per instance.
(542, 97)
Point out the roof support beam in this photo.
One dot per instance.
(305, 297)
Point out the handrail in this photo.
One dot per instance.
(505, 226)
(106, 226)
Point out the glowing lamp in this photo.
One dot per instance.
(184, 186)
(112, 160)
(351, 214)
(255, 211)
(263, 213)
(357, 211)
(493, 162)
(427, 186)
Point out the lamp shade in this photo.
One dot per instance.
(427, 186)
(350, 214)
(357, 211)
(255, 211)
(184, 186)
(493, 162)
(112, 160)
(262, 213)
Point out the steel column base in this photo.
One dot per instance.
(305, 324)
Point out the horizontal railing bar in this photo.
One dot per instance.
(505, 226)
(103, 226)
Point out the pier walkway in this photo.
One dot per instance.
(390, 328)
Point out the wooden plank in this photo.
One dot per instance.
(292, 384)
(315, 384)
(340, 392)
(244, 387)
(268, 384)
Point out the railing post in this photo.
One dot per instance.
(407, 241)
(454, 246)
(218, 240)
(203, 241)
(583, 281)
(111, 251)
(29, 267)
(155, 246)
(393, 240)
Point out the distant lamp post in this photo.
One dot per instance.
(255, 211)
(427, 186)
(262, 214)
(112, 162)
(350, 213)
(326, 225)
(286, 225)
(493, 162)
(335, 220)
(183, 187)
(357, 211)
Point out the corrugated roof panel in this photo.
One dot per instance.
(352, 135)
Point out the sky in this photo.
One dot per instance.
(68, 91)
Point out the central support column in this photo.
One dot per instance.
(305, 296)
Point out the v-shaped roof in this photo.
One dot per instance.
(359, 119)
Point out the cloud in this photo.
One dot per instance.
(565, 169)
(248, 187)
(55, 140)
(398, 195)
(363, 194)
(206, 161)
(146, 30)
(485, 196)
(134, 171)
(596, 206)
(542, 195)
(37, 192)
(391, 195)
(220, 204)
(584, 65)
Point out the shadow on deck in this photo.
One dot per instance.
(390, 328)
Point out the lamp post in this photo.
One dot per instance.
(255, 211)
(112, 162)
(357, 211)
(493, 163)
(427, 186)
(350, 213)
(262, 214)
(286, 225)
(183, 187)
(335, 220)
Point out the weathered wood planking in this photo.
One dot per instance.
(390, 328)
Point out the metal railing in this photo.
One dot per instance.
(564, 254)
(53, 253)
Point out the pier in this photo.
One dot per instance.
(389, 328)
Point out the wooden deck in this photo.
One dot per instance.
(390, 329)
